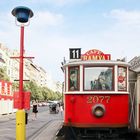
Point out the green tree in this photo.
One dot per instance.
(3, 74)
(15, 86)
(41, 93)
(32, 87)
(45, 93)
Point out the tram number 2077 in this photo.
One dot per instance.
(98, 99)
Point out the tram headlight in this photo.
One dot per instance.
(98, 110)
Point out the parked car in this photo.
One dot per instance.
(39, 104)
(50, 102)
(44, 104)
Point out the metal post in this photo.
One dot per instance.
(20, 114)
(21, 67)
(22, 15)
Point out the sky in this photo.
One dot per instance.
(111, 26)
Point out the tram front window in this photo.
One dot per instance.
(98, 78)
(73, 78)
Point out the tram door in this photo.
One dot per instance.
(133, 100)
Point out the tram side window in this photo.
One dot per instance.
(73, 78)
(98, 78)
(122, 71)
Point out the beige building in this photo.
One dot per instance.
(2, 57)
(32, 72)
(42, 80)
(5, 59)
(135, 64)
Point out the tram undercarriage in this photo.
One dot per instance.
(73, 133)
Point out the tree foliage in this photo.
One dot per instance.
(39, 93)
(3, 75)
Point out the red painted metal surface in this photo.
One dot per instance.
(16, 103)
(26, 100)
(21, 95)
(78, 109)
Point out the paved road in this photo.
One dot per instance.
(45, 125)
(44, 128)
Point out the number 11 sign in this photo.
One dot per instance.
(75, 53)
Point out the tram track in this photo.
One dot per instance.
(39, 131)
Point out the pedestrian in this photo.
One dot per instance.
(57, 107)
(35, 110)
(26, 116)
(61, 110)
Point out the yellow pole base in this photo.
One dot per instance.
(20, 125)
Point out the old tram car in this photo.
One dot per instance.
(96, 97)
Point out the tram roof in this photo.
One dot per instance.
(96, 62)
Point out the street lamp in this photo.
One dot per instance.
(22, 15)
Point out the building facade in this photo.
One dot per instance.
(135, 94)
(32, 72)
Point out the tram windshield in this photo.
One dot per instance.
(98, 78)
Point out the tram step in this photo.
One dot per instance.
(99, 138)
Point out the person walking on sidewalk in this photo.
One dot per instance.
(35, 110)
(61, 110)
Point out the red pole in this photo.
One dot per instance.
(21, 94)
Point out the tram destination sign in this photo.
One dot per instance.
(95, 55)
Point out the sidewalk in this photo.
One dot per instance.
(7, 117)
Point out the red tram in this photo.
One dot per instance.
(96, 96)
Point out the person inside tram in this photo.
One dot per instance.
(105, 86)
(96, 84)
(92, 85)
(102, 83)
(73, 80)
